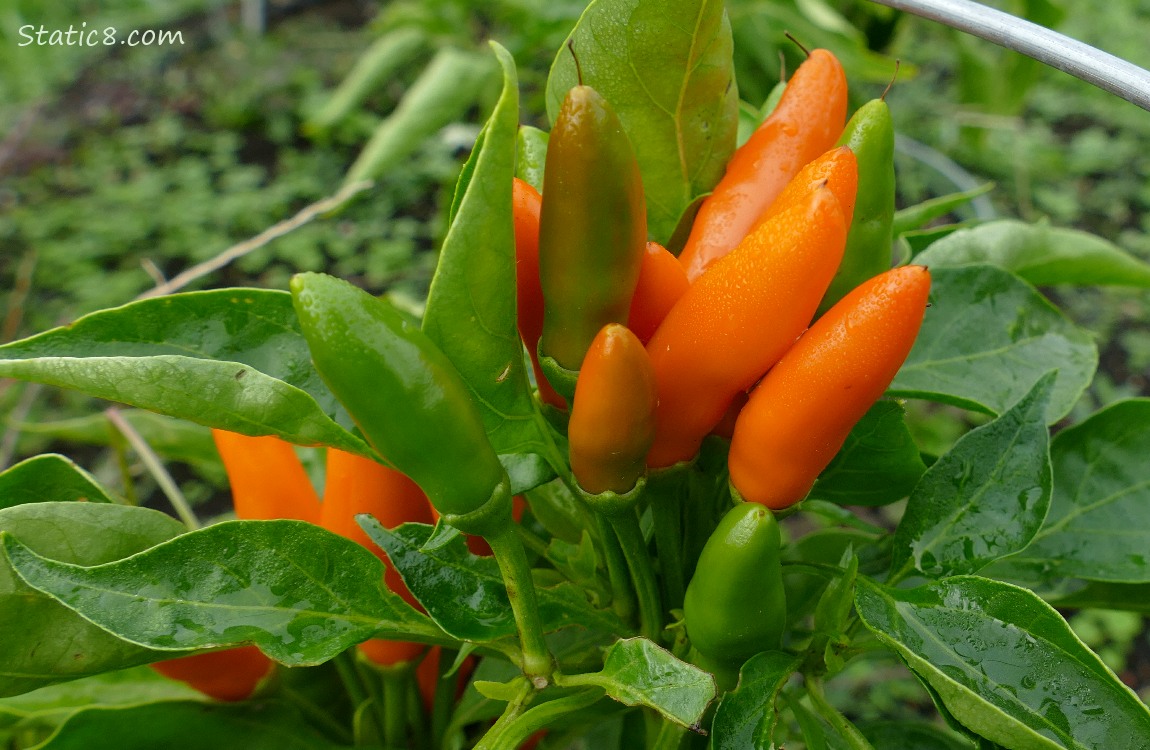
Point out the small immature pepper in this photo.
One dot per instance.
(738, 319)
(526, 203)
(662, 281)
(592, 229)
(613, 418)
(807, 121)
(354, 485)
(801, 413)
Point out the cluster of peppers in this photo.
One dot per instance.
(638, 356)
(652, 352)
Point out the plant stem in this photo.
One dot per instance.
(395, 684)
(512, 559)
(373, 683)
(514, 708)
(155, 467)
(516, 732)
(642, 574)
(444, 698)
(352, 681)
(317, 715)
(667, 514)
(622, 594)
(844, 727)
(1071, 56)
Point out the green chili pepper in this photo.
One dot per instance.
(735, 606)
(870, 134)
(592, 231)
(407, 399)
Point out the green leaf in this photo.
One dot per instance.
(47, 478)
(1127, 597)
(919, 215)
(987, 338)
(1099, 522)
(41, 641)
(746, 716)
(444, 91)
(636, 672)
(1041, 254)
(466, 594)
(666, 68)
(299, 593)
(470, 312)
(908, 735)
(189, 725)
(1006, 665)
(531, 155)
(985, 498)
(231, 358)
(878, 464)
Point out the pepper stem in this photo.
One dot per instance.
(642, 574)
(622, 594)
(512, 559)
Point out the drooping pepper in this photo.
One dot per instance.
(735, 606)
(407, 399)
(353, 485)
(234, 674)
(737, 320)
(837, 169)
(662, 282)
(613, 417)
(801, 413)
(267, 479)
(870, 135)
(592, 230)
(526, 203)
(807, 121)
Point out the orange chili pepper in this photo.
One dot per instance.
(801, 413)
(234, 674)
(662, 281)
(356, 485)
(267, 478)
(807, 121)
(526, 204)
(738, 319)
(837, 169)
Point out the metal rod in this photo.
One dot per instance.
(1059, 51)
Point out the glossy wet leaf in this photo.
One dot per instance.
(987, 338)
(985, 498)
(49, 477)
(531, 155)
(1006, 664)
(42, 641)
(1041, 254)
(470, 311)
(466, 595)
(298, 592)
(667, 71)
(232, 358)
(919, 215)
(878, 464)
(1099, 522)
(189, 725)
(746, 716)
(636, 672)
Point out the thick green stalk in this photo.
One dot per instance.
(642, 574)
(537, 663)
(622, 593)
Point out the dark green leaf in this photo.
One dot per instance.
(987, 338)
(470, 310)
(878, 464)
(189, 725)
(1127, 597)
(298, 592)
(636, 672)
(1006, 664)
(466, 595)
(746, 716)
(804, 586)
(919, 215)
(907, 735)
(531, 155)
(47, 478)
(984, 499)
(1041, 254)
(1099, 522)
(232, 358)
(41, 641)
(666, 69)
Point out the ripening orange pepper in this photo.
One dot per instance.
(427, 675)
(234, 674)
(613, 416)
(662, 281)
(526, 204)
(801, 413)
(267, 478)
(354, 485)
(807, 121)
(837, 169)
(738, 319)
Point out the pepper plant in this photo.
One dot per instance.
(686, 533)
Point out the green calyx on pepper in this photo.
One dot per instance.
(592, 231)
(407, 398)
(735, 605)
